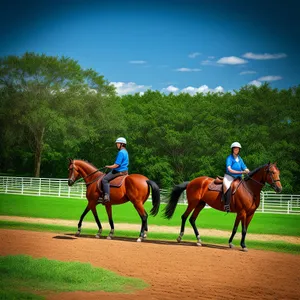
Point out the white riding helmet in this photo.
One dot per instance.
(121, 140)
(236, 145)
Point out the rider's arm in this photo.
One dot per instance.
(236, 172)
(112, 166)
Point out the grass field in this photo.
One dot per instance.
(71, 209)
(42, 275)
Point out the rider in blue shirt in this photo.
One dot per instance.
(119, 168)
(235, 167)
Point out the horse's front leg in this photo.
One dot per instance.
(87, 209)
(94, 211)
(245, 225)
(110, 220)
(234, 230)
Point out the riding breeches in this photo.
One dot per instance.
(227, 182)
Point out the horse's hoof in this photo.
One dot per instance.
(245, 249)
(199, 244)
(97, 236)
(231, 245)
(139, 239)
(77, 233)
(178, 239)
(144, 236)
(108, 237)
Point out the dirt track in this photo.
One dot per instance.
(155, 228)
(174, 271)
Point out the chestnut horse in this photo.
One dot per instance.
(244, 202)
(135, 188)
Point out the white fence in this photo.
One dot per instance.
(270, 202)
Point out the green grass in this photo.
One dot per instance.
(157, 237)
(71, 209)
(25, 277)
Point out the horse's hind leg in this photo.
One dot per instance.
(110, 220)
(144, 217)
(193, 218)
(183, 220)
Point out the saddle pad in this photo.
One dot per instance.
(117, 182)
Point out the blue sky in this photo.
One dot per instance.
(179, 46)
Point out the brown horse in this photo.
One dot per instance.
(135, 188)
(244, 202)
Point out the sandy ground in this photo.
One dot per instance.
(154, 228)
(174, 271)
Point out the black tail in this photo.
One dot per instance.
(173, 199)
(155, 197)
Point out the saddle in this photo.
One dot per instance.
(216, 185)
(114, 183)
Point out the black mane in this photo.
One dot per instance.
(250, 174)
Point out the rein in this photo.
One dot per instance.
(83, 178)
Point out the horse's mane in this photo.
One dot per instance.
(88, 162)
(251, 173)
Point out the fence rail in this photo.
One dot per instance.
(270, 202)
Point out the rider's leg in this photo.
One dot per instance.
(106, 187)
(227, 200)
(227, 191)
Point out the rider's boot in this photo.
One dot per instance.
(227, 197)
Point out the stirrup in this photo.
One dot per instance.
(106, 198)
(227, 208)
(100, 200)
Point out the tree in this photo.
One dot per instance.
(51, 100)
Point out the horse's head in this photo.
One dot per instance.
(272, 177)
(73, 172)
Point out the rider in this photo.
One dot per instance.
(235, 167)
(119, 168)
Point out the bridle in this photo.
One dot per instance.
(273, 185)
(82, 178)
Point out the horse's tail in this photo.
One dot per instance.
(155, 197)
(173, 199)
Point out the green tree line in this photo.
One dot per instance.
(52, 109)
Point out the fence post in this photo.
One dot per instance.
(22, 189)
(263, 202)
(81, 191)
(288, 206)
(59, 187)
(6, 185)
(40, 186)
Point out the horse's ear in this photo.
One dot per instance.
(70, 159)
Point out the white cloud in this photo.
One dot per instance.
(264, 56)
(232, 60)
(255, 82)
(170, 89)
(248, 72)
(269, 78)
(193, 90)
(138, 62)
(194, 55)
(124, 88)
(187, 70)
(209, 62)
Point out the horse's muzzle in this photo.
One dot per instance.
(70, 182)
(277, 188)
